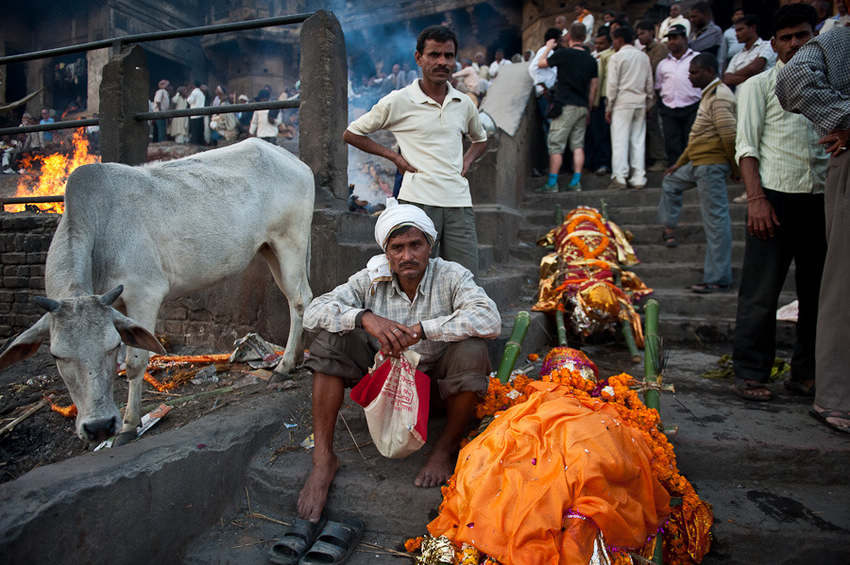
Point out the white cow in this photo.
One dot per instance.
(155, 231)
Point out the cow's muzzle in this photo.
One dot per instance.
(99, 430)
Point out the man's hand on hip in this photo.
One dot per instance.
(402, 164)
(836, 141)
(393, 336)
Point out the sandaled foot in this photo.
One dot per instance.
(669, 238)
(752, 390)
(835, 419)
(709, 288)
(295, 541)
(314, 493)
(335, 544)
(436, 470)
(800, 388)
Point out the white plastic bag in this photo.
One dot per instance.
(395, 397)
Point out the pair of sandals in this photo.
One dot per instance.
(312, 543)
(755, 390)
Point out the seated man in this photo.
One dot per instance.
(401, 299)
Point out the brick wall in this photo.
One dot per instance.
(24, 240)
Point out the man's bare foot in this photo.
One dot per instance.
(314, 493)
(436, 470)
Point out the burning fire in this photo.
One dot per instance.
(47, 174)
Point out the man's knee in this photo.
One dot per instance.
(346, 355)
(464, 368)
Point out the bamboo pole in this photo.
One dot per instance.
(512, 348)
(561, 327)
(650, 353)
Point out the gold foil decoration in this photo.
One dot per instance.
(436, 551)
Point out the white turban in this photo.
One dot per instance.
(393, 217)
(397, 215)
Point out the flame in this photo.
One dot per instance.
(47, 174)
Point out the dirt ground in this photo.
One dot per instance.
(47, 437)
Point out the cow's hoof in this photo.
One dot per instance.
(124, 438)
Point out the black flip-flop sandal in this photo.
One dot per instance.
(800, 389)
(335, 544)
(824, 414)
(295, 541)
(669, 239)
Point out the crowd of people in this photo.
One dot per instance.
(226, 127)
(704, 105)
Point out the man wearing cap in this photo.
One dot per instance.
(679, 98)
(402, 299)
(161, 103)
(429, 119)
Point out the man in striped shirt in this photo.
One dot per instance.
(705, 163)
(784, 171)
(402, 299)
(816, 83)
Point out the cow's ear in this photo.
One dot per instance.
(135, 335)
(27, 343)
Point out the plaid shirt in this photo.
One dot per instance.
(448, 303)
(816, 81)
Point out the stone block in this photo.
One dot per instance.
(7, 296)
(36, 270)
(37, 258)
(200, 316)
(324, 103)
(15, 282)
(173, 328)
(6, 331)
(123, 93)
(12, 270)
(18, 222)
(178, 313)
(36, 282)
(14, 258)
(5, 307)
(7, 242)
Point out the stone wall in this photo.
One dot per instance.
(24, 240)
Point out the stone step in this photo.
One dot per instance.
(686, 232)
(591, 181)
(702, 329)
(510, 285)
(681, 274)
(636, 215)
(683, 302)
(614, 199)
(778, 522)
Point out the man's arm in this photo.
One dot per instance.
(474, 314)
(803, 88)
(478, 135)
(336, 311)
(594, 86)
(543, 62)
(723, 117)
(475, 151)
(754, 68)
(363, 143)
(375, 119)
(613, 85)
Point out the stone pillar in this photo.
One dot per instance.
(324, 103)
(2, 74)
(95, 61)
(123, 93)
(36, 70)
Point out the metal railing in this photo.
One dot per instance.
(117, 43)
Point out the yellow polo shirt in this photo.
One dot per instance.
(430, 138)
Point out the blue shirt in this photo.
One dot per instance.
(46, 135)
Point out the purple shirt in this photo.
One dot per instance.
(671, 79)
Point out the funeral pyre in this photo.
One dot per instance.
(569, 469)
(46, 175)
(581, 275)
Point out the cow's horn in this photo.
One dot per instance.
(111, 296)
(47, 303)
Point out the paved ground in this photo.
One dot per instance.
(776, 478)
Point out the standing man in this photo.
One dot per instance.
(679, 98)
(656, 51)
(499, 61)
(675, 18)
(576, 87)
(544, 80)
(816, 83)
(429, 118)
(401, 300)
(598, 140)
(196, 123)
(161, 103)
(730, 45)
(583, 16)
(784, 170)
(756, 56)
(705, 36)
(629, 92)
(706, 163)
(45, 137)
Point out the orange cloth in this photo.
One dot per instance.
(515, 482)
